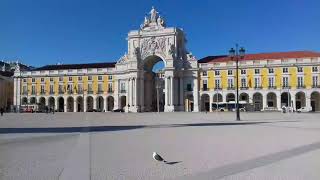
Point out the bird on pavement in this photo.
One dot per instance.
(157, 157)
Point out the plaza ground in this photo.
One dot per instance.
(102, 146)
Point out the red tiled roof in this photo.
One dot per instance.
(76, 66)
(263, 56)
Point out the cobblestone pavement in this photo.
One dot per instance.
(196, 146)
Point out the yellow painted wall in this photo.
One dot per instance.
(278, 77)
(307, 76)
(264, 78)
(293, 77)
(47, 86)
(211, 80)
(224, 79)
(95, 84)
(250, 78)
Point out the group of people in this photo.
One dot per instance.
(1, 111)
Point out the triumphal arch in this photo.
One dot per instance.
(142, 90)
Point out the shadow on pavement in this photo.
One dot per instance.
(120, 128)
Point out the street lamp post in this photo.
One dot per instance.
(237, 54)
(158, 86)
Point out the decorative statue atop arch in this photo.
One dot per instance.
(154, 22)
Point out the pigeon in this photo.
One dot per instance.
(157, 157)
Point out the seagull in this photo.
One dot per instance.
(157, 157)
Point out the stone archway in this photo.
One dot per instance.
(70, 104)
(286, 99)
(100, 104)
(123, 102)
(42, 104)
(272, 100)
(230, 97)
(217, 99)
(315, 101)
(51, 103)
(79, 104)
(257, 99)
(89, 104)
(60, 104)
(205, 102)
(300, 100)
(189, 103)
(33, 100)
(110, 103)
(24, 101)
(244, 97)
(154, 84)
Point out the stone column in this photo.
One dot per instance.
(75, 105)
(94, 103)
(172, 101)
(65, 105)
(167, 91)
(279, 102)
(210, 101)
(181, 94)
(85, 104)
(308, 102)
(105, 108)
(141, 94)
(293, 101)
(195, 95)
(264, 101)
(55, 103)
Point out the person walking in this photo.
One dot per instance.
(1, 111)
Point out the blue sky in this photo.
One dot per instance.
(40, 32)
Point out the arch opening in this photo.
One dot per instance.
(300, 100)
(315, 101)
(205, 102)
(154, 84)
(257, 99)
(110, 103)
(79, 104)
(100, 104)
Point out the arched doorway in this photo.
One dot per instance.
(123, 102)
(99, 104)
(79, 104)
(24, 101)
(286, 99)
(244, 97)
(230, 97)
(205, 102)
(271, 100)
(217, 98)
(315, 101)
(110, 103)
(42, 104)
(189, 103)
(70, 104)
(51, 103)
(154, 84)
(33, 100)
(300, 100)
(89, 104)
(231, 101)
(60, 104)
(257, 101)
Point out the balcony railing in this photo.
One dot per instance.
(301, 86)
(272, 87)
(231, 88)
(90, 92)
(110, 91)
(123, 91)
(315, 86)
(244, 87)
(217, 88)
(286, 87)
(258, 87)
(100, 91)
(205, 89)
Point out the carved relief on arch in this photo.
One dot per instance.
(152, 46)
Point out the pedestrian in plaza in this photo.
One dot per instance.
(1, 111)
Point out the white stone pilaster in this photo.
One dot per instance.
(105, 104)
(210, 101)
(195, 95)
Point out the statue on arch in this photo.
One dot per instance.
(154, 15)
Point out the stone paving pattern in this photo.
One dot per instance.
(196, 145)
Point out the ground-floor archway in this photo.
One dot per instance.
(217, 98)
(24, 101)
(205, 102)
(110, 103)
(60, 104)
(100, 104)
(33, 100)
(42, 104)
(315, 101)
(244, 97)
(51, 103)
(89, 104)
(286, 99)
(272, 100)
(79, 104)
(300, 100)
(70, 104)
(123, 101)
(257, 99)
(189, 103)
(230, 97)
